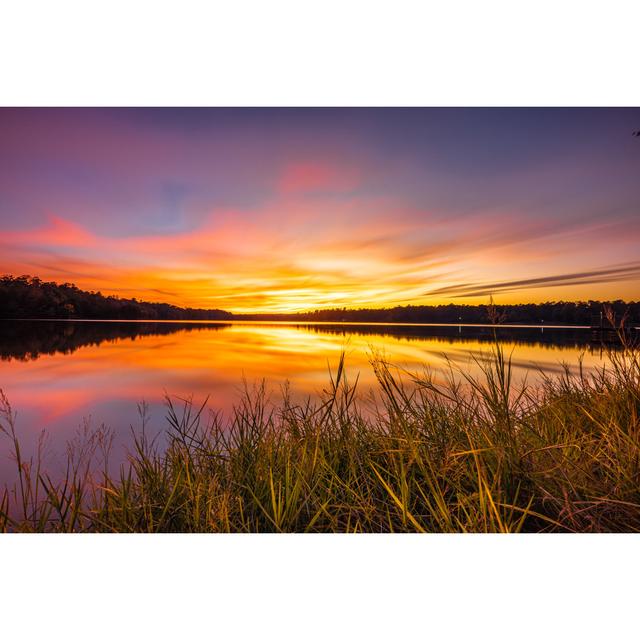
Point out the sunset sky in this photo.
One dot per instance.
(292, 209)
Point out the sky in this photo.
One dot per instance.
(280, 210)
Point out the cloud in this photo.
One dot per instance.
(58, 232)
(295, 254)
(615, 273)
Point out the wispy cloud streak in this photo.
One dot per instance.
(615, 273)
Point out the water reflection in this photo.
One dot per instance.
(575, 337)
(57, 373)
(29, 339)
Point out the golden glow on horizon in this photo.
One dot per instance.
(240, 268)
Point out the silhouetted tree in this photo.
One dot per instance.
(27, 297)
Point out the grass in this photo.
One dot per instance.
(470, 455)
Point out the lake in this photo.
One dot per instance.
(59, 375)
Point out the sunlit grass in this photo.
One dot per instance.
(473, 454)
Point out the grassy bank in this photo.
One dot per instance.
(472, 455)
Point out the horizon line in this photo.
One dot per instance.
(490, 302)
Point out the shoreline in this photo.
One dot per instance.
(317, 322)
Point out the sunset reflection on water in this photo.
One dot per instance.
(104, 382)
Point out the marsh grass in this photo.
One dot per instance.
(471, 454)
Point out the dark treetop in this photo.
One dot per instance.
(29, 297)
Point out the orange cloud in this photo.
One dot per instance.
(59, 232)
(297, 254)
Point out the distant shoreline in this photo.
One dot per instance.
(504, 325)
(28, 297)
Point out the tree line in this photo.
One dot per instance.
(30, 297)
(572, 313)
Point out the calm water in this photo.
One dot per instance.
(57, 374)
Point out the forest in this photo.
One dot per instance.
(30, 297)
(571, 313)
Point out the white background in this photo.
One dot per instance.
(275, 52)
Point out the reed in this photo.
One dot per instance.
(472, 454)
